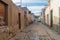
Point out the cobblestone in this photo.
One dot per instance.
(32, 32)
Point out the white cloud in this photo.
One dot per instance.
(33, 1)
(30, 1)
(35, 9)
(16, 1)
(37, 14)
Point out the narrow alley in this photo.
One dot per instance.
(29, 19)
(35, 31)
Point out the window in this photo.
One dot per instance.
(29, 12)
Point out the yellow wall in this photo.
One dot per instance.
(47, 15)
(55, 7)
(55, 4)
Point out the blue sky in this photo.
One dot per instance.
(35, 6)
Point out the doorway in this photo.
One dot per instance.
(19, 18)
(51, 18)
(59, 22)
(48, 19)
(4, 12)
(59, 16)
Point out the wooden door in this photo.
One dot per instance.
(19, 17)
(2, 9)
(3, 12)
(51, 19)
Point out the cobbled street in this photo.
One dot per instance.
(35, 31)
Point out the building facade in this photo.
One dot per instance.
(52, 15)
(55, 10)
(8, 19)
(47, 14)
(12, 19)
(42, 16)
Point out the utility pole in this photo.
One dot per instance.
(26, 5)
(20, 2)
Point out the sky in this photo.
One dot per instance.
(35, 6)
